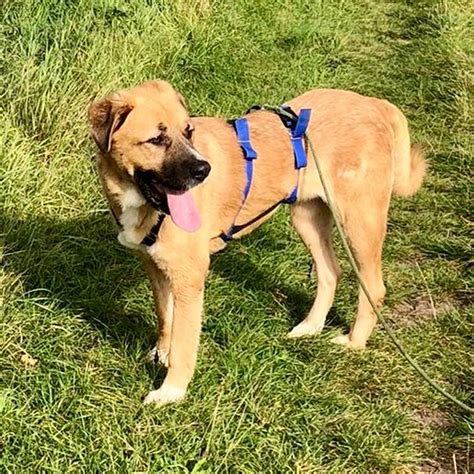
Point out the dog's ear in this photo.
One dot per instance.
(106, 116)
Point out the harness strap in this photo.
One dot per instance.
(297, 136)
(238, 228)
(293, 195)
(241, 127)
(115, 217)
(297, 128)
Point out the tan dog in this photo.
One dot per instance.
(155, 160)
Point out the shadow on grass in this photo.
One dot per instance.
(78, 265)
(236, 266)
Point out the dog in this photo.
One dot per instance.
(175, 186)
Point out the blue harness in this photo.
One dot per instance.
(296, 126)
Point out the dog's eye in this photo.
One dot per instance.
(188, 131)
(158, 140)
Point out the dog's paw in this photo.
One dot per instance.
(165, 394)
(157, 356)
(305, 329)
(344, 340)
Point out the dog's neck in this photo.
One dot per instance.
(139, 222)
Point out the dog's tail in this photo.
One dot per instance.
(409, 160)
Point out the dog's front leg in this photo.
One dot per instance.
(163, 298)
(187, 285)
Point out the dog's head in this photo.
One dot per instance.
(147, 134)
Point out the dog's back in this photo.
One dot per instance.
(347, 126)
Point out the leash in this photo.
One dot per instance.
(283, 111)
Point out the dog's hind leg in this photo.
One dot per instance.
(163, 299)
(366, 232)
(313, 222)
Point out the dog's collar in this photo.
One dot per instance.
(151, 237)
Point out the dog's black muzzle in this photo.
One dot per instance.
(177, 175)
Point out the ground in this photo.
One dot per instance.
(77, 313)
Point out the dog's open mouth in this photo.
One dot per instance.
(179, 204)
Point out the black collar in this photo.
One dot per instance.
(151, 237)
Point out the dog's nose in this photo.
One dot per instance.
(200, 170)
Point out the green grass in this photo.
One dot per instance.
(76, 301)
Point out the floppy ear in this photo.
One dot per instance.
(106, 116)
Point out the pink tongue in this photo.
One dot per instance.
(183, 211)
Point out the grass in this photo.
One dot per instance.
(77, 302)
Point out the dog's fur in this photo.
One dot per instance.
(363, 146)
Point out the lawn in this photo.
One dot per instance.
(80, 305)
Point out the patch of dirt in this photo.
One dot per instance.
(458, 464)
(432, 419)
(420, 309)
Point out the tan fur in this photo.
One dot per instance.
(363, 146)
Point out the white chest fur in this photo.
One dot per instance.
(131, 201)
